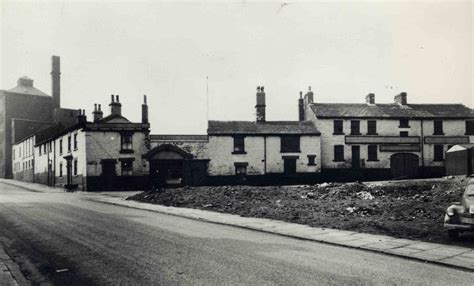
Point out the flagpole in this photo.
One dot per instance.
(207, 99)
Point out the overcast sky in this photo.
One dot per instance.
(344, 50)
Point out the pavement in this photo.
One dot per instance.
(10, 274)
(102, 239)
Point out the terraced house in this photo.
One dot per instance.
(105, 154)
(388, 140)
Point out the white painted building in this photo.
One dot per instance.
(23, 160)
(399, 139)
(102, 155)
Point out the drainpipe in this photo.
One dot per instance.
(422, 148)
(264, 154)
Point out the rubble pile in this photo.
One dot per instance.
(409, 209)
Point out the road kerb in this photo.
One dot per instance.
(213, 217)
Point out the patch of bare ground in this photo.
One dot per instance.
(412, 209)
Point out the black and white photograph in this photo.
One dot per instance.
(256, 142)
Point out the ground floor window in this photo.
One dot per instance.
(75, 167)
(372, 153)
(240, 169)
(61, 169)
(339, 153)
(311, 160)
(127, 167)
(438, 153)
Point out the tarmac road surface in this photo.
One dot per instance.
(67, 239)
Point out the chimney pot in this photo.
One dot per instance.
(370, 99)
(144, 98)
(117, 98)
(401, 98)
(112, 97)
(260, 107)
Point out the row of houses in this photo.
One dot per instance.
(328, 142)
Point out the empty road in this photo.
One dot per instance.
(68, 239)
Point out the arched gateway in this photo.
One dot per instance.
(404, 165)
(171, 166)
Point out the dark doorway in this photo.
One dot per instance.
(108, 174)
(356, 157)
(404, 165)
(289, 167)
(166, 172)
(69, 184)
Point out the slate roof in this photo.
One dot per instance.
(180, 137)
(262, 128)
(362, 110)
(112, 117)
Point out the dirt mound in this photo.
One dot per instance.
(409, 209)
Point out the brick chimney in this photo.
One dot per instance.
(81, 116)
(56, 81)
(115, 106)
(144, 110)
(301, 107)
(97, 113)
(260, 107)
(401, 98)
(370, 99)
(308, 97)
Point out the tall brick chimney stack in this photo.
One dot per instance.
(144, 110)
(97, 113)
(260, 107)
(401, 98)
(56, 81)
(301, 107)
(115, 106)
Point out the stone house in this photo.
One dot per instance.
(232, 152)
(394, 140)
(105, 154)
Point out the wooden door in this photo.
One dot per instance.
(355, 156)
(289, 166)
(404, 165)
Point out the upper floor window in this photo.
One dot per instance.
(44, 148)
(75, 141)
(69, 143)
(290, 143)
(438, 127)
(39, 149)
(60, 146)
(372, 153)
(371, 127)
(126, 142)
(404, 123)
(339, 153)
(470, 127)
(438, 153)
(239, 145)
(403, 133)
(355, 127)
(338, 128)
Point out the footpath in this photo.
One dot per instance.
(441, 254)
